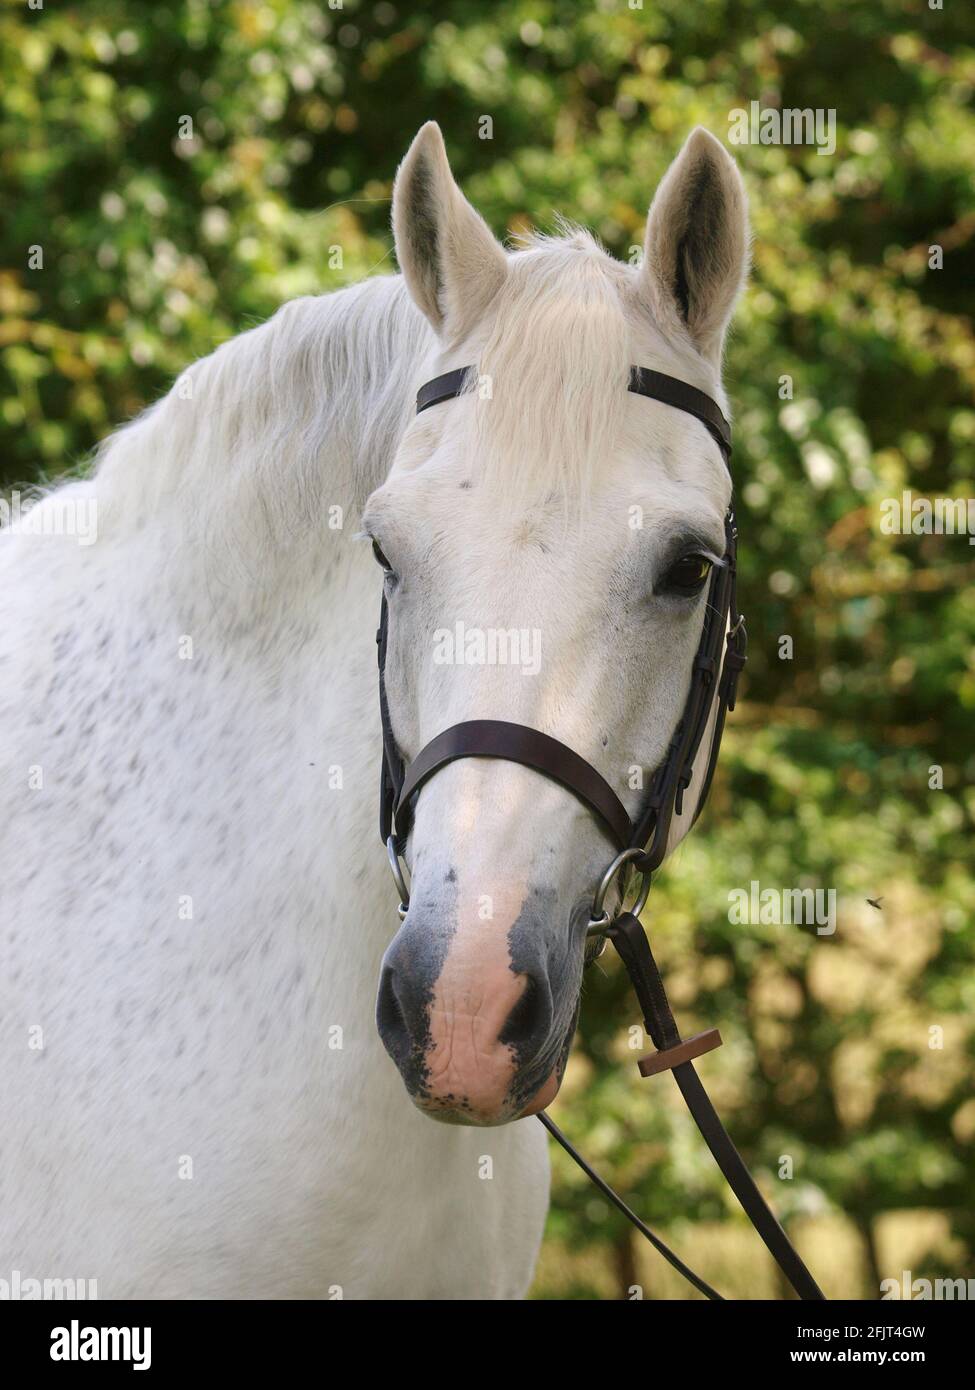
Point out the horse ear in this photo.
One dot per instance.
(452, 264)
(696, 248)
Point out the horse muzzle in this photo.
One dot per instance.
(477, 1016)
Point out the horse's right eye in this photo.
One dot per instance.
(389, 574)
(380, 558)
(687, 576)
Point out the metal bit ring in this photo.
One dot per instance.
(599, 918)
(397, 871)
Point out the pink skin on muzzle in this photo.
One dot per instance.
(469, 1069)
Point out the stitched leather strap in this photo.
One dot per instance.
(392, 772)
(682, 396)
(516, 743)
(742, 1184)
(674, 774)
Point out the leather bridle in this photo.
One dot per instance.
(641, 843)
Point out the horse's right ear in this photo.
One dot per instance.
(452, 264)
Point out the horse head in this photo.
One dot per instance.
(547, 539)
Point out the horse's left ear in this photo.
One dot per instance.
(697, 243)
(451, 262)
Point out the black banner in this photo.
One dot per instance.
(165, 1340)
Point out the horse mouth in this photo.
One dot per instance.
(526, 1097)
(544, 1096)
(457, 1110)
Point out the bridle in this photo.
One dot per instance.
(641, 843)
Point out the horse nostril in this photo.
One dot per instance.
(529, 1017)
(390, 1016)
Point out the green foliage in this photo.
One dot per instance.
(156, 248)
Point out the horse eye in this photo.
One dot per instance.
(380, 558)
(687, 576)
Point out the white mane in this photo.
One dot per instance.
(258, 440)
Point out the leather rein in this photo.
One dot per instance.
(641, 842)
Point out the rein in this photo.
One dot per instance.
(641, 843)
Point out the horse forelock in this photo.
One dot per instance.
(553, 368)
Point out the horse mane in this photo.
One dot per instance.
(256, 442)
(277, 425)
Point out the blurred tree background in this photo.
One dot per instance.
(849, 1054)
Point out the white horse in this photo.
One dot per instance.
(196, 905)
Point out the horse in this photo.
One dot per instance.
(197, 911)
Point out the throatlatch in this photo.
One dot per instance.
(641, 843)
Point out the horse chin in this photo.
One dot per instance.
(462, 1112)
(551, 1086)
(544, 1095)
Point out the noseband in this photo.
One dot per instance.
(640, 842)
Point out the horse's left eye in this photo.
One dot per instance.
(687, 576)
(380, 558)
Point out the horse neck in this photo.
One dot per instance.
(227, 516)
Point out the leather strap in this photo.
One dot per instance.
(656, 386)
(674, 774)
(631, 942)
(682, 396)
(684, 1051)
(517, 743)
(743, 1185)
(392, 772)
(443, 388)
(628, 1212)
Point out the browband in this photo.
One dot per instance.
(656, 386)
(682, 396)
(443, 388)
